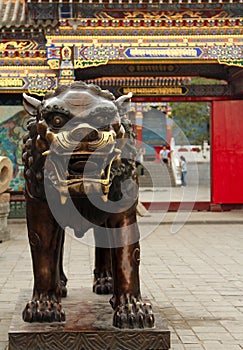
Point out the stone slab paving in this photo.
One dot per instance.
(194, 275)
(191, 193)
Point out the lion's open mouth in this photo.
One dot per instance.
(81, 168)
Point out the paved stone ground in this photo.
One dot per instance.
(194, 275)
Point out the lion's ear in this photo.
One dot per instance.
(31, 104)
(123, 103)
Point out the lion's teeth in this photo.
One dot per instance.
(46, 153)
(63, 198)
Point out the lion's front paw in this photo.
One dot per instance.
(43, 311)
(103, 284)
(133, 314)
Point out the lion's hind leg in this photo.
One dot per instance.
(102, 272)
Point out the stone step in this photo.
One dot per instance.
(156, 174)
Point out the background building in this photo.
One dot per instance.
(152, 48)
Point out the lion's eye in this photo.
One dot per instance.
(57, 121)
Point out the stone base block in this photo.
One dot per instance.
(4, 235)
(88, 326)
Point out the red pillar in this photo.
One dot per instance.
(227, 152)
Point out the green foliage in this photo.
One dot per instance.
(192, 119)
(206, 81)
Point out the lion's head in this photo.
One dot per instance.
(80, 135)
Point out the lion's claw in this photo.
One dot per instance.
(133, 314)
(103, 284)
(43, 311)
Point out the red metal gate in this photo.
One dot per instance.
(227, 152)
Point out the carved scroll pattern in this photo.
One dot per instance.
(90, 341)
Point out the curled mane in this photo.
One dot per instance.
(81, 85)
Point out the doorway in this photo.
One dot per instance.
(184, 128)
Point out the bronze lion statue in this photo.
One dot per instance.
(80, 173)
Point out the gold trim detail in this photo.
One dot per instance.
(54, 64)
(89, 63)
(236, 63)
(21, 45)
(164, 14)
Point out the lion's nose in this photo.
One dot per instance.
(84, 132)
